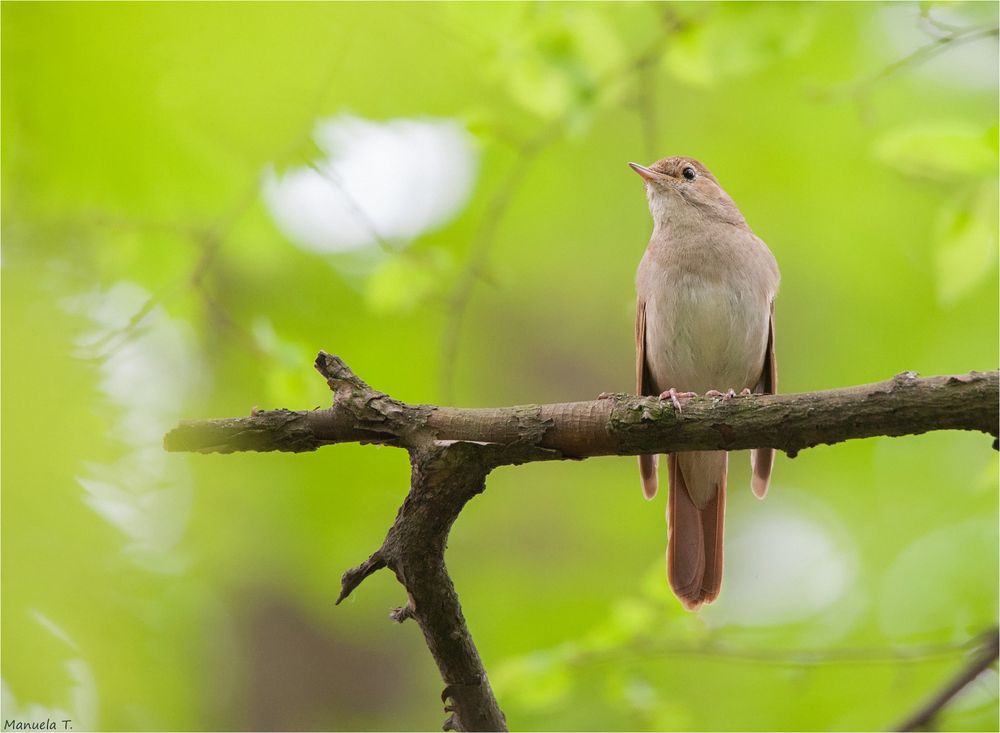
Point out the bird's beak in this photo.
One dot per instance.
(646, 173)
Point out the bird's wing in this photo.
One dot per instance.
(644, 386)
(761, 459)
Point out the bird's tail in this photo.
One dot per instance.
(647, 472)
(696, 508)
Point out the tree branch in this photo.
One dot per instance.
(620, 425)
(443, 479)
(452, 450)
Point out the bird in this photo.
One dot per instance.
(705, 291)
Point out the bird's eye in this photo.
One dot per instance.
(689, 173)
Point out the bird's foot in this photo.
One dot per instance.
(677, 398)
(728, 394)
(605, 395)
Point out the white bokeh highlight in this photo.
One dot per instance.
(781, 566)
(146, 369)
(75, 690)
(379, 182)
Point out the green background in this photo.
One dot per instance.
(148, 591)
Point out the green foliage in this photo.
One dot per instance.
(729, 40)
(967, 242)
(962, 157)
(560, 60)
(145, 281)
(403, 282)
(941, 151)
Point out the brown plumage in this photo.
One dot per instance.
(704, 321)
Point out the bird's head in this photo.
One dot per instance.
(681, 188)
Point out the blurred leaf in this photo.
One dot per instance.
(285, 353)
(966, 252)
(940, 151)
(405, 280)
(480, 122)
(535, 681)
(562, 61)
(942, 584)
(738, 39)
(630, 619)
(653, 707)
(288, 381)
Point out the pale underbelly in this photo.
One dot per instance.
(706, 336)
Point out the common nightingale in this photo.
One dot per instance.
(704, 323)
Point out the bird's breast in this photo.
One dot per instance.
(704, 331)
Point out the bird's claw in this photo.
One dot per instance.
(728, 394)
(605, 395)
(677, 398)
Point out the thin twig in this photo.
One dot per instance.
(860, 89)
(475, 266)
(207, 239)
(934, 25)
(647, 649)
(331, 176)
(645, 105)
(982, 659)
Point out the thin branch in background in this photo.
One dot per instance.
(646, 649)
(985, 656)
(330, 175)
(929, 51)
(861, 89)
(935, 26)
(210, 241)
(646, 68)
(112, 339)
(212, 238)
(207, 239)
(476, 264)
(222, 320)
(645, 107)
(644, 101)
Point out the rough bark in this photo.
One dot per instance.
(452, 450)
(621, 424)
(443, 479)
